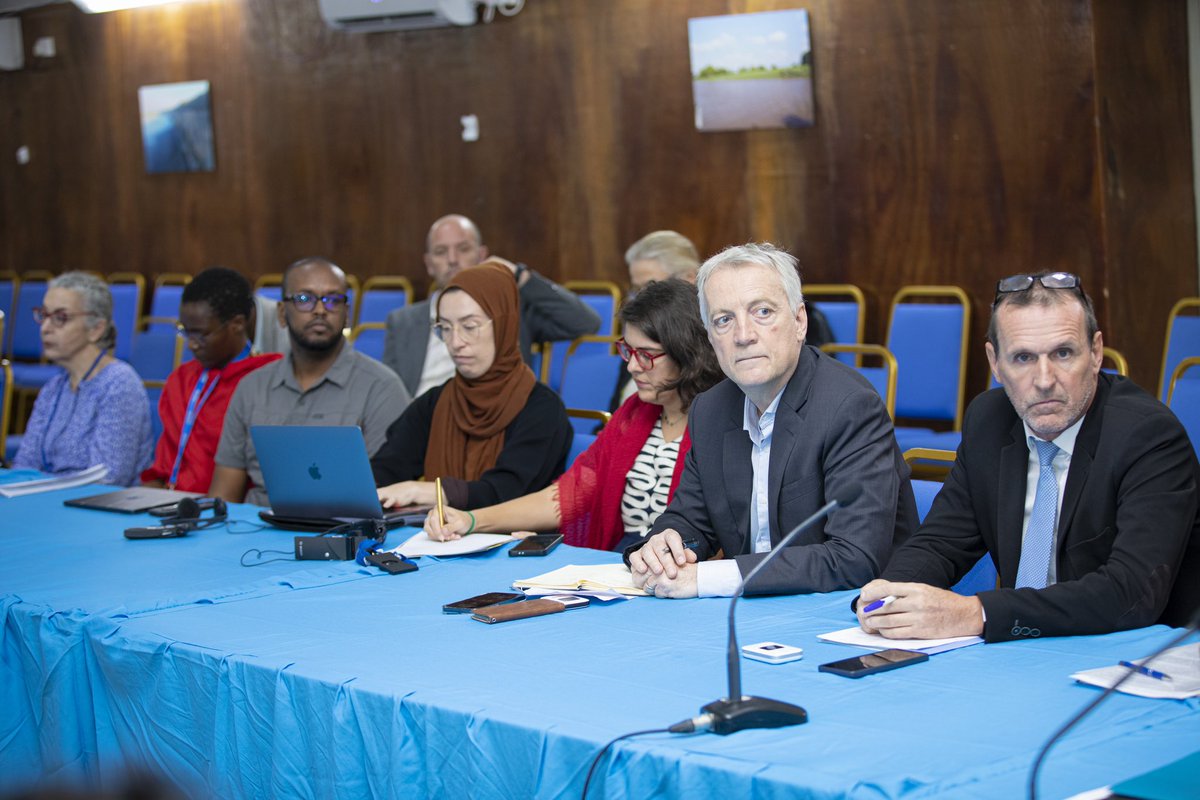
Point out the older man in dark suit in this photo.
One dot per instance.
(1079, 485)
(789, 430)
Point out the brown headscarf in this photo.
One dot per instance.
(469, 420)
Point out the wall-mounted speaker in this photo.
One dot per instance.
(12, 47)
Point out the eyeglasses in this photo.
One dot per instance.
(645, 358)
(468, 331)
(1023, 283)
(59, 317)
(199, 337)
(303, 301)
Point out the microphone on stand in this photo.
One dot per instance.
(736, 711)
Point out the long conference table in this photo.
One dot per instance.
(327, 679)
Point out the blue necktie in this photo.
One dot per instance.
(1037, 548)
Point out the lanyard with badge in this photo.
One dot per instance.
(54, 409)
(204, 389)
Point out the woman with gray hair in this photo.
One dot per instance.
(95, 411)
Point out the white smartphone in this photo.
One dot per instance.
(772, 652)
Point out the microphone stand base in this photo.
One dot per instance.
(730, 716)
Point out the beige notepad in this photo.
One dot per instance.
(602, 577)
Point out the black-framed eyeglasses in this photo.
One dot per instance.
(199, 337)
(58, 317)
(468, 330)
(303, 301)
(1023, 283)
(645, 358)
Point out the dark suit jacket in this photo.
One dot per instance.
(549, 313)
(831, 430)
(1129, 516)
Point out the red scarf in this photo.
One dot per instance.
(589, 493)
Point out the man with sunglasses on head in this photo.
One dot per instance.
(321, 382)
(1078, 485)
(216, 316)
(549, 313)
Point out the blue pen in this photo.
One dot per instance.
(1149, 673)
(878, 604)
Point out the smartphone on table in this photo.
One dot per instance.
(871, 663)
(537, 545)
(480, 601)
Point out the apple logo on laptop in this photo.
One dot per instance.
(315, 472)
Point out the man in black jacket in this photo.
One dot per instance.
(1079, 485)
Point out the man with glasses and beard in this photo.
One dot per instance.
(321, 382)
(1080, 486)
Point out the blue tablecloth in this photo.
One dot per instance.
(316, 679)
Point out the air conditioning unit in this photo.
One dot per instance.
(366, 16)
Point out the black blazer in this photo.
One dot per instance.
(831, 430)
(1129, 518)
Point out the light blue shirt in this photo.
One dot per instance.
(721, 578)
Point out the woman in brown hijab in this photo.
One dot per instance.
(491, 432)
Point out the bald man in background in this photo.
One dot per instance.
(549, 312)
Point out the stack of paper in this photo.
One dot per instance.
(1179, 666)
(47, 483)
(859, 638)
(586, 579)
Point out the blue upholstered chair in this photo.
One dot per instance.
(587, 424)
(590, 373)
(982, 576)
(1183, 397)
(164, 303)
(368, 338)
(1182, 340)
(381, 295)
(845, 308)
(927, 333)
(883, 378)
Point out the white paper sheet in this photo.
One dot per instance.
(859, 638)
(422, 545)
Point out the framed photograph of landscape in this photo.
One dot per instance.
(752, 71)
(177, 132)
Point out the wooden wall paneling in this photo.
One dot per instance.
(1144, 148)
(954, 143)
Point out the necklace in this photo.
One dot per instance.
(668, 422)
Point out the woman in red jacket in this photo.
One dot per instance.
(618, 486)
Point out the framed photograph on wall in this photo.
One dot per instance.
(177, 132)
(752, 71)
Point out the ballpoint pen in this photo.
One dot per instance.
(878, 604)
(1149, 673)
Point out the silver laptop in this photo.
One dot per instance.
(134, 500)
(319, 476)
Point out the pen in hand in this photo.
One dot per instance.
(878, 604)
(1149, 673)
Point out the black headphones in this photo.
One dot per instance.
(187, 518)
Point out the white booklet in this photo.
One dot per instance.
(859, 638)
(48, 483)
(1178, 667)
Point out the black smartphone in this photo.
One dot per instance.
(479, 601)
(538, 545)
(873, 662)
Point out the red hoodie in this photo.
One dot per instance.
(196, 471)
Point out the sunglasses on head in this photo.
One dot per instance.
(1023, 283)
